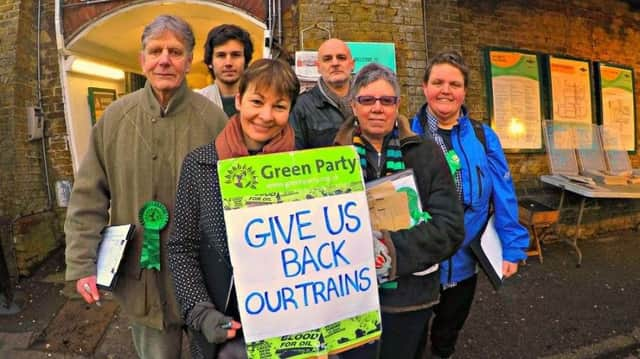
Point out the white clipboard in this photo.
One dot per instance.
(488, 251)
(110, 252)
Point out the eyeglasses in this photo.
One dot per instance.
(371, 100)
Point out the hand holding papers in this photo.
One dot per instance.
(114, 241)
(394, 204)
(488, 250)
(382, 257)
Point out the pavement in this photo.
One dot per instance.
(550, 310)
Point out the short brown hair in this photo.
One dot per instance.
(453, 58)
(271, 74)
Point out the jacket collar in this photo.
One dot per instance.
(176, 105)
(419, 123)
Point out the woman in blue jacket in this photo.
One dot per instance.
(483, 180)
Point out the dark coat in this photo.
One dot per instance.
(198, 252)
(315, 120)
(429, 242)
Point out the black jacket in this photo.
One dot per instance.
(315, 120)
(198, 252)
(429, 242)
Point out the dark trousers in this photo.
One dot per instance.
(367, 351)
(402, 334)
(450, 315)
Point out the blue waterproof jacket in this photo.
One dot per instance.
(485, 179)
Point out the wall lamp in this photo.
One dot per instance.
(83, 66)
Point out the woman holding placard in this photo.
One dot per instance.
(386, 145)
(198, 251)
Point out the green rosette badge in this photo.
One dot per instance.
(453, 161)
(153, 216)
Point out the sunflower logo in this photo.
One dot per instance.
(241, 176)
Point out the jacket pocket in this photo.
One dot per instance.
(132, 295)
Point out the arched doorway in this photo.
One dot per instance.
(113, 40)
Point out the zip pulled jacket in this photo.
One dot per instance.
(486, 180)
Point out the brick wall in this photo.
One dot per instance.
(366, 20)
(590, 29)
(35, 221)
(8, 32)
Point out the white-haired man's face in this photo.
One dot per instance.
(165, 62)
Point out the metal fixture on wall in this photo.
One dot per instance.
(45, 161)
(314, 26)
(273, 33)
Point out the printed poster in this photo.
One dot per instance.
(618, 106)
(570, 90)
(306, 66)
(302, 251)
(515, 84)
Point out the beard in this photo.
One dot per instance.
(228, 81)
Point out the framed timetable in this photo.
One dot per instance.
(515, 101)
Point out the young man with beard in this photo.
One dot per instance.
(227, 53)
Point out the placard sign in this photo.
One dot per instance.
(301, 247)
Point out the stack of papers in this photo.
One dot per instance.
(580, 179)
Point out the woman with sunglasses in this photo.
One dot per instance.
(386, 145)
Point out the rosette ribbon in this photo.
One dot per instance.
(153, 217)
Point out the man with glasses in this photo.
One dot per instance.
(129, 176)
(319, 112)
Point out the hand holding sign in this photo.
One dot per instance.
(302, 252)
(218, 328)
(382, 257)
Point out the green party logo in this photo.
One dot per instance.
(241, 176)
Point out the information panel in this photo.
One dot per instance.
(570, 90)
(516, 111)
(617, 105)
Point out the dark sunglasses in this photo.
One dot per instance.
(371, 100)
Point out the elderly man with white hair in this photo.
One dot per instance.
(129, 176)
